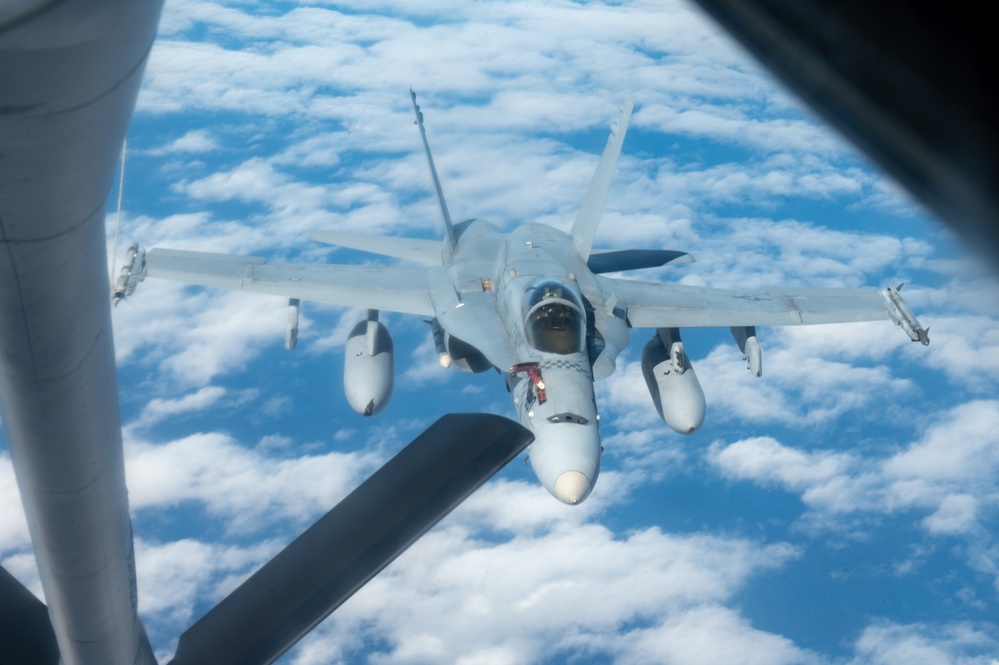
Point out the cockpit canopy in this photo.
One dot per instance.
(553, 317)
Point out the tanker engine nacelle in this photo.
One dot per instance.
(672, 383)
(367, 366)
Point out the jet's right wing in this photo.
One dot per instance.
(652, 305)
(401, 289)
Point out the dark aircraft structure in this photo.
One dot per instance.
(910, 83)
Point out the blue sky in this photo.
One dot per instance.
(842, 509)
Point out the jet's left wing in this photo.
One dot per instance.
(649, 305)
(390, 288)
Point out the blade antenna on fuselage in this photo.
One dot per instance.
(584, 228)
(445, 215)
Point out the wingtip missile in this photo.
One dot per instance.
(133, 272)
(900, 313)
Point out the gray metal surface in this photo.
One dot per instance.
(584, 227)
(651, 305)
(349, 545)
(452, 238)
(69, 76)
(392, 288)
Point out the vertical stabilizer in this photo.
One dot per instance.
(585, 226)
(445, 215)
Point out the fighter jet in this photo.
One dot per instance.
(535, 304)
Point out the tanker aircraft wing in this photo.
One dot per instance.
(534, 304)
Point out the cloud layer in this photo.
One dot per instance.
(858, 461)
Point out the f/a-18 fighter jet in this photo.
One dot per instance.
(535, 305)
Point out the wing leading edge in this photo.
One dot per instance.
(649, 305)
(401, 289)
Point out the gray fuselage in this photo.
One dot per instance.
(540, 331)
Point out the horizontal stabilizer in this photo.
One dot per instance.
(349, 545)
(634, 259)
(426, 252)
(26, 635)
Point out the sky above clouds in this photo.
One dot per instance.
(840, 510)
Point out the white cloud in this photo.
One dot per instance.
(192, 336)
(25, 570)
(256, 180)
(13, 525)
(569, 589)
(175, 579)
(641, 48)
(556, 583)
(194, 141)
(766, 460)
(277, 121)
(743, 126)
(796, 389)
(957, 514)
(240, 484)
(174, 576)
(424, 365)
(962, 449)
(157, 409)
(966, 349)
(886, 643)
(708, 635)
(759, 252)
(949, 472)
(807, 379)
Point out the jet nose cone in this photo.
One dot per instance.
(572, 487)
